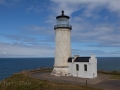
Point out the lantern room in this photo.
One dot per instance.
(63, 21)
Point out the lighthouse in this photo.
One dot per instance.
(62, 46)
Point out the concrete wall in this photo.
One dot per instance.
(60, 71)
(70, 69)
(91, 69)
(62, 52)
(63, 47)
(93, 62)
(81, 73)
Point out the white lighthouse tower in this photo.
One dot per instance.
(63, 46)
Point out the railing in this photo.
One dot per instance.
(63, 26)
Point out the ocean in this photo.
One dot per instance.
(9, 66)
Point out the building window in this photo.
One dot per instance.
(77, 67)
(85, 67)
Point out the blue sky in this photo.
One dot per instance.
(27, 27)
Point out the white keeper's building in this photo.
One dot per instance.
(64, 64)
(84, 67)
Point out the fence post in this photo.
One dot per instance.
(86, 82)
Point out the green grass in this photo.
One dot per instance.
(41, 70)
(22, 81)
(112, 74)
(117, 77)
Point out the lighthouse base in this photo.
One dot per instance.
(60, 71)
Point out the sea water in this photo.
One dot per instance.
(9, 66)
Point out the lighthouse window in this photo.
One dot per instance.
(62, 21)
(77, 67)
(85, 67)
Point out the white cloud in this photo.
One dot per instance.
(105, 34)
(71, 6)
(97, 53)
(114, 5)
(20, 50)
(35, 29)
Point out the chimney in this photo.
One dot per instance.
(92, 56)
(75, 56)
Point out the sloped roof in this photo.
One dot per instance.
(79, 59)
(70, 59)
(82, 59)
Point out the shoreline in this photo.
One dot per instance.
(44, 74)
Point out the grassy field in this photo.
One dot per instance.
(22, 81)
(112, 74)
(115, 77)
